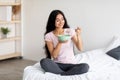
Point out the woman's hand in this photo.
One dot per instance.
(78, 31)
(77, 39)
(63, 41)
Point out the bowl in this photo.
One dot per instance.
(63, 38)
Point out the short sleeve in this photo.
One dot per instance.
(72, 31)
(47, 37)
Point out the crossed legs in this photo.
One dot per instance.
(64, 69)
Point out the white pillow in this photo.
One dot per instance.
(115, 43)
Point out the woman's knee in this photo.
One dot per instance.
(44, 61)
(85, 67)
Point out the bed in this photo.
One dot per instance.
(102, 66)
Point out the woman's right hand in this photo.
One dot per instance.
(63, 41)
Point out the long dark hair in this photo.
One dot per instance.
(51, 25)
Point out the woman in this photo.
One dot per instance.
(63, 59)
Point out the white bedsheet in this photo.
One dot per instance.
(102, 67)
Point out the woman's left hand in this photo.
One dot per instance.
(77, 39)
(78, 31)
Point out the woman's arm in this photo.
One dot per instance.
(77, 39)
(53, 51)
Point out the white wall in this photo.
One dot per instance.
(98, 19)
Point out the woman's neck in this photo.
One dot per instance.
(58, 31)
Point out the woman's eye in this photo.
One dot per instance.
(57, 21)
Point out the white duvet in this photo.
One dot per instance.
(102, 67)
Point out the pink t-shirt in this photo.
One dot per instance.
(66, 54)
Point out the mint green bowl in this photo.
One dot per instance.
(63, 38)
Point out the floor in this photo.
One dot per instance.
(12, 69)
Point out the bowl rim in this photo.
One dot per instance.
(63, 35)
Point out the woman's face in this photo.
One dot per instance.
(59, 22)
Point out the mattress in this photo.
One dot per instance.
(102, 67)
